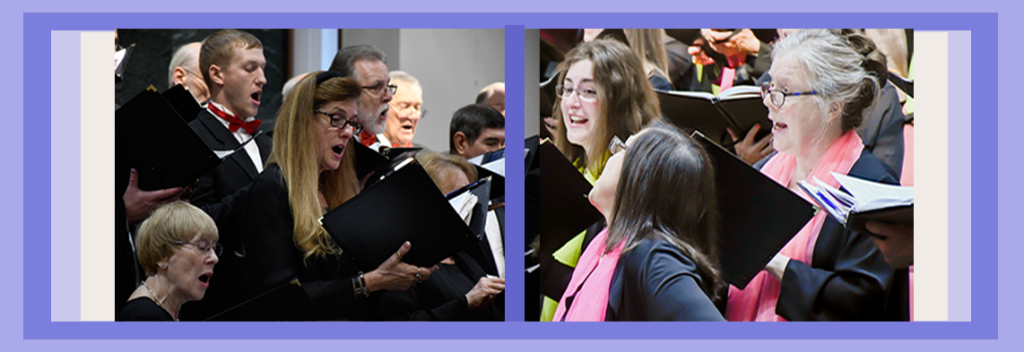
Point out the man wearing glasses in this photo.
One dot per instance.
(184, 70)
(405, 112)
(368, 66)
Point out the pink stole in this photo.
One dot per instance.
(591, 282)
(758, 301)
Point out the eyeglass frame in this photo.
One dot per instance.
(576, 91)
(356, 126)
(766, 91)
(423, 112)
(616, 145)
(375, 90)
(217, 248)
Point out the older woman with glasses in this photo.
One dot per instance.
(820, 90)
(604, 92)
(310, 171)
(177, 246)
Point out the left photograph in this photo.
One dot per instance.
(309, 174)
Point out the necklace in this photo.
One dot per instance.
(158, 300)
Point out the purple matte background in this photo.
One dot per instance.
(67, 139)
(984, 131)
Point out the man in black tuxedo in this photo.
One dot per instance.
(232, 65)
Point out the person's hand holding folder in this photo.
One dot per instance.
(139, 204)
(484, 292)
(393, 274)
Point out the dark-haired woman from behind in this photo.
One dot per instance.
(657, 259)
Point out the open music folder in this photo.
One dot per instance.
(404, 206)
(739, 108)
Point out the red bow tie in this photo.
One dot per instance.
(234, 123)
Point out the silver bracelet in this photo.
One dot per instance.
(359, 282)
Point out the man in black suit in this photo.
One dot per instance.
(232, 65)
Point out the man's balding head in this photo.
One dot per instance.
(493, 95)
(184, 70)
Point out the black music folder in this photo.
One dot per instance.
(369, 160)
(156, 141)
(287, 302)
(565, 209)
(757, 216)
(404, 206)
(183, 102)
(739, 108)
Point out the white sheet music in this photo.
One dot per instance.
(873, 195)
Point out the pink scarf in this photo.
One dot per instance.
(757, 302)
(591, 282)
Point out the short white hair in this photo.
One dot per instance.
(288, 86)
(404, 77)
(186, 57)
(488, 92)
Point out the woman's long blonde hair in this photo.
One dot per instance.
(295, 146)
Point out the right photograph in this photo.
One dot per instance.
(719, 175)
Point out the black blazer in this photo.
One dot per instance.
(655, 281)
(235, 172)
(257, 220)
(848, 278)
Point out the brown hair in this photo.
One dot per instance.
(627, 101)
(649, 44)
(219, 48)
(294, 152)
(176, 221)
(667, 192)
(440, 166)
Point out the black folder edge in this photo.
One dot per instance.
(802, 211)
(729, 121)
(183, 102)
(305, 310)
(130, 152)
(552, 160)
(369, 265)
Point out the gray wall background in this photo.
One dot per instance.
(531, 39)
(452, 65)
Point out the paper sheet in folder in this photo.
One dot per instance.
(757, 216)
(405, 206)
(154, 139)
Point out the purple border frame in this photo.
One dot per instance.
(37, 29)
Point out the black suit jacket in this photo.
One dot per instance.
(655, 281)
(235, 172)
(848, 278)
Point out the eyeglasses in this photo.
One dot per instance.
(339, 121)
(778, 97)
(403, 107)
(616, 145)
(204, 246)
(378, 88)
(586, 94)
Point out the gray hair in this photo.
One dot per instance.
(836, 70)
(186, 57)
(288, 86)
(404, 77)
(345, 61)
